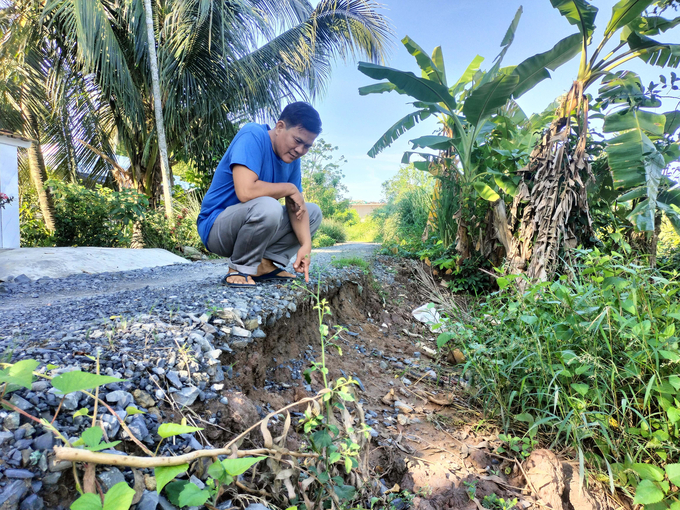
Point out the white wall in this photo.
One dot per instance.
(9, 185)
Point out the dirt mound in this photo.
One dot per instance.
(557, 483)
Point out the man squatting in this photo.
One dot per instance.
(241, 217)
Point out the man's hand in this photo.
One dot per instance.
(296, 204)
(304, 257)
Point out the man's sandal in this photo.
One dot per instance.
(273, 275)
(234, 284)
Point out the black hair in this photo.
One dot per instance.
(301, 114)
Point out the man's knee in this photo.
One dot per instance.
(315, 216)
(265, 210)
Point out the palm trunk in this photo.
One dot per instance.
(158, 110)
(36, 164)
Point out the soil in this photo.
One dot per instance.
(441, 453)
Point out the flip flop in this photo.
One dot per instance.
(274, 275)
(230, 284)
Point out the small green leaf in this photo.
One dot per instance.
(78, 381)
(675, 381)
(92, 436)
(166, 474)
(444, 338)
(673, 472)
(216, 470)
(191, 495)
(235, 467)
(174, 429)
(648, 472)
(322, 439)
(87, 501)
(81, 412)
(345, 396)
(486, 192)
(345, 491)
(131, 411)
(20, 373)
(580, 388)
(173, 490)
(119, 497)
(647, 493)
(673, 414)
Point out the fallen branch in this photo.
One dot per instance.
(78, 455)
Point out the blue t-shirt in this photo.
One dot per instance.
(252, 148)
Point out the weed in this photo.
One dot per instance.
(591, 358)
(471, 489)
(493, 502)
(521, 446)
(351, 261)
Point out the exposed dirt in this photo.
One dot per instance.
(442, 452)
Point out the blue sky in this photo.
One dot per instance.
(463, 28)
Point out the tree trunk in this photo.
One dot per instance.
(552, 194)
(158, 110)
(36, 164)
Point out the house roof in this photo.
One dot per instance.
(14, 136)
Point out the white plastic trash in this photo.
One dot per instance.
(427, 314)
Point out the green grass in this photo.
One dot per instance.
(351, 261)
(333, 229)
(590, 362)
(365, 231)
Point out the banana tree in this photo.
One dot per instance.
(552, 199)
(640, 151)
(469, 110)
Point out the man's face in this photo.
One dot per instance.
(292, 143)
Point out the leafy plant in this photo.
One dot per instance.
(493, 502)
(95, 217)
(519, 446)
(333, 229)
(591, 359)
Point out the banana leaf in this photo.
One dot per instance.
(418, 88)
(652, 25)
(467, 76)
(426, 64)
(651, 123)
(579, 13)
(379, 88)
(654, 52)
(535, 69)
(672, 122)
(398, 129)
(486, 99)
(624, 12)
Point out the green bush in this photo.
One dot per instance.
(366, 230)
(32, 227)
(591, 359)
(347, 217)
(333, 229)
(412, 210)
(158, 232)
(322, 241)
(95, 217)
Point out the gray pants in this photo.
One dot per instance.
(257, 229)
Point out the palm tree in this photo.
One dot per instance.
(213, 71)
(158, 108)
(43, 97)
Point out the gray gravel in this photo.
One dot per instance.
(163, 330)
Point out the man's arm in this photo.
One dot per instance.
(248, 186)
(299, 221)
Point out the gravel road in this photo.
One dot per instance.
(163, 330)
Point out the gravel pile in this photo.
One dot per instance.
(163, 330)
